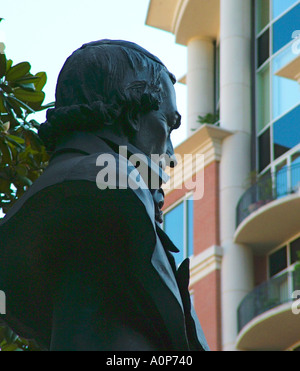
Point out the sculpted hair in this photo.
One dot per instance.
(105, 82)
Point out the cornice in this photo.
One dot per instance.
(205, 263)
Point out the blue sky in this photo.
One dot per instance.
(45, 33)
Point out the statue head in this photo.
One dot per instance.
(116, 86)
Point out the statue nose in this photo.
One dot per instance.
(172, 160)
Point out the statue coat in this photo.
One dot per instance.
(91, 269)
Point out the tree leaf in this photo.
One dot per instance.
(46, 106)
(28, 87)
(25, 181)
(5, 186)
(18, 71)
(10, 348)
(23, 105)
(2, 107)
(14, 139)
(2, 65)
(5, 126)
(9, 63)
(15, 105)
(27, 79)
(14, 148)
(29, 96)
(7, 88)
(22, 170)
(34, 140)
(39, 84)
(6, 155)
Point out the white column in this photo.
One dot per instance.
(200, 80)
(235, 115)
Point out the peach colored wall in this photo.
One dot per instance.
(207, 299)
(174, 196)
(207, 303)
(206, 210)
(260, 271)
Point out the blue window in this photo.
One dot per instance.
(279, 6)
(286, 132)
(284, 28)
(178, 224)
(295, 172)
(286, 92)
(281, 180)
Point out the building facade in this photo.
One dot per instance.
(233, 204)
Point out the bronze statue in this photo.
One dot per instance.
(84, 262)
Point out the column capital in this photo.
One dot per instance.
(186, 19)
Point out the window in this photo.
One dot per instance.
(286, 132)
(285, 92)
(284, 257)
(295, 171)
(263, 98)
(278, 261)
(277, 99)
(279, 6)
(281, 179)
(295, 250)
(262, 15)
(284, 27)
(217, 80)
(264, 150)
(178, 224)
(263, 48)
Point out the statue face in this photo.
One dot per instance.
(154, 128)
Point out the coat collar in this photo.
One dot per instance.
(89, 143)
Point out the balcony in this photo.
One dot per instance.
(266, 319)
(267, 206)
(291, 70)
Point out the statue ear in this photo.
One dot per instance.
(134, 120)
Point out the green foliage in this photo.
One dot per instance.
(10, 342)
(22, 154)
(210, 118)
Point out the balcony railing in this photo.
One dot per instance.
(270, 187)
(268, 295)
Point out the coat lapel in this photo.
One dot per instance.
(163, 267)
